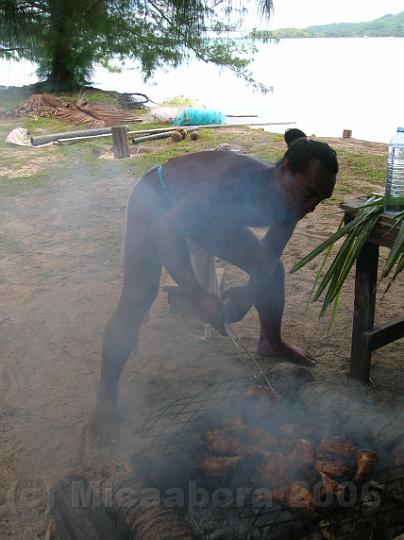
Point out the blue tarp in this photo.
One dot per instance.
(195, 117)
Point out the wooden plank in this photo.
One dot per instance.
(364, 311)
(385, 333)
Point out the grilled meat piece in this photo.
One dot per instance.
(218, 466)
(289, 433)
(261, 441)
(295, 497)
(223, 443)
(303, 453)
(235, 423)
(338, 445)
(330, 486)
(257, 392)
(334, 467)
(274, 469)
(364, 463)
(296, 431)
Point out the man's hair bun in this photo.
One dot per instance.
(292, 135)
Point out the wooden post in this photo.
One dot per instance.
(120, 142)
(364, 311)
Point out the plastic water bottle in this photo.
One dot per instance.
(394, 194)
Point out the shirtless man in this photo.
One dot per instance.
(213, 197)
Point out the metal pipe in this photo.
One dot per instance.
(44, 139)
(153, 137)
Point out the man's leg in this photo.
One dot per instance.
(142, 269)
(121, 334)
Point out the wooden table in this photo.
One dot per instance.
(366, 337)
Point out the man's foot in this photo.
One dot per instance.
(104, 425)
(287, 352)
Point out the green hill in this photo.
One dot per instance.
(386, 26)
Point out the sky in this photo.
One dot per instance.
(301, 13)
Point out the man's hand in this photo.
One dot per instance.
(210, 309)
(237, 302)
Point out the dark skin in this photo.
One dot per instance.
(211, 202)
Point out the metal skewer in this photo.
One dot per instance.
(250, 361)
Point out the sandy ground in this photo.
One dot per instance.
(60, 279)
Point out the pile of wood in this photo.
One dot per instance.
(83, 112)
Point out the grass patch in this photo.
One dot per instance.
(91, 95)
(16, 186)
(41, 126)
(178, 101)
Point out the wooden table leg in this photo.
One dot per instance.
(364, 311)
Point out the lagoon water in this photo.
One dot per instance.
(324, 85)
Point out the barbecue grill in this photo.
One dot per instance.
(371, 509)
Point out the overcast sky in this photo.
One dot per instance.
(301, 13)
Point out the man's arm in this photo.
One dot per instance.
(189, 216)
(267, 256)
(170, 233)
(238, 300)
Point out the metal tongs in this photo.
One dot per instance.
(250, 361)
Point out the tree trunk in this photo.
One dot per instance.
(64, 63)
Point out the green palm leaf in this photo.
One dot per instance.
(356, 233)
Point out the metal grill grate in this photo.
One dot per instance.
(376, 512)
(160, 426)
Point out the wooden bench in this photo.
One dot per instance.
(366, 337)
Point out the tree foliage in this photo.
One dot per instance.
(67, 37)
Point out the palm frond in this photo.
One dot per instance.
(356, 233)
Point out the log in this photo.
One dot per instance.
(356, 411)
(140, 515)
(120, 142)
(77, 514)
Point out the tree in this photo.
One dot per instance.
(67, 37)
